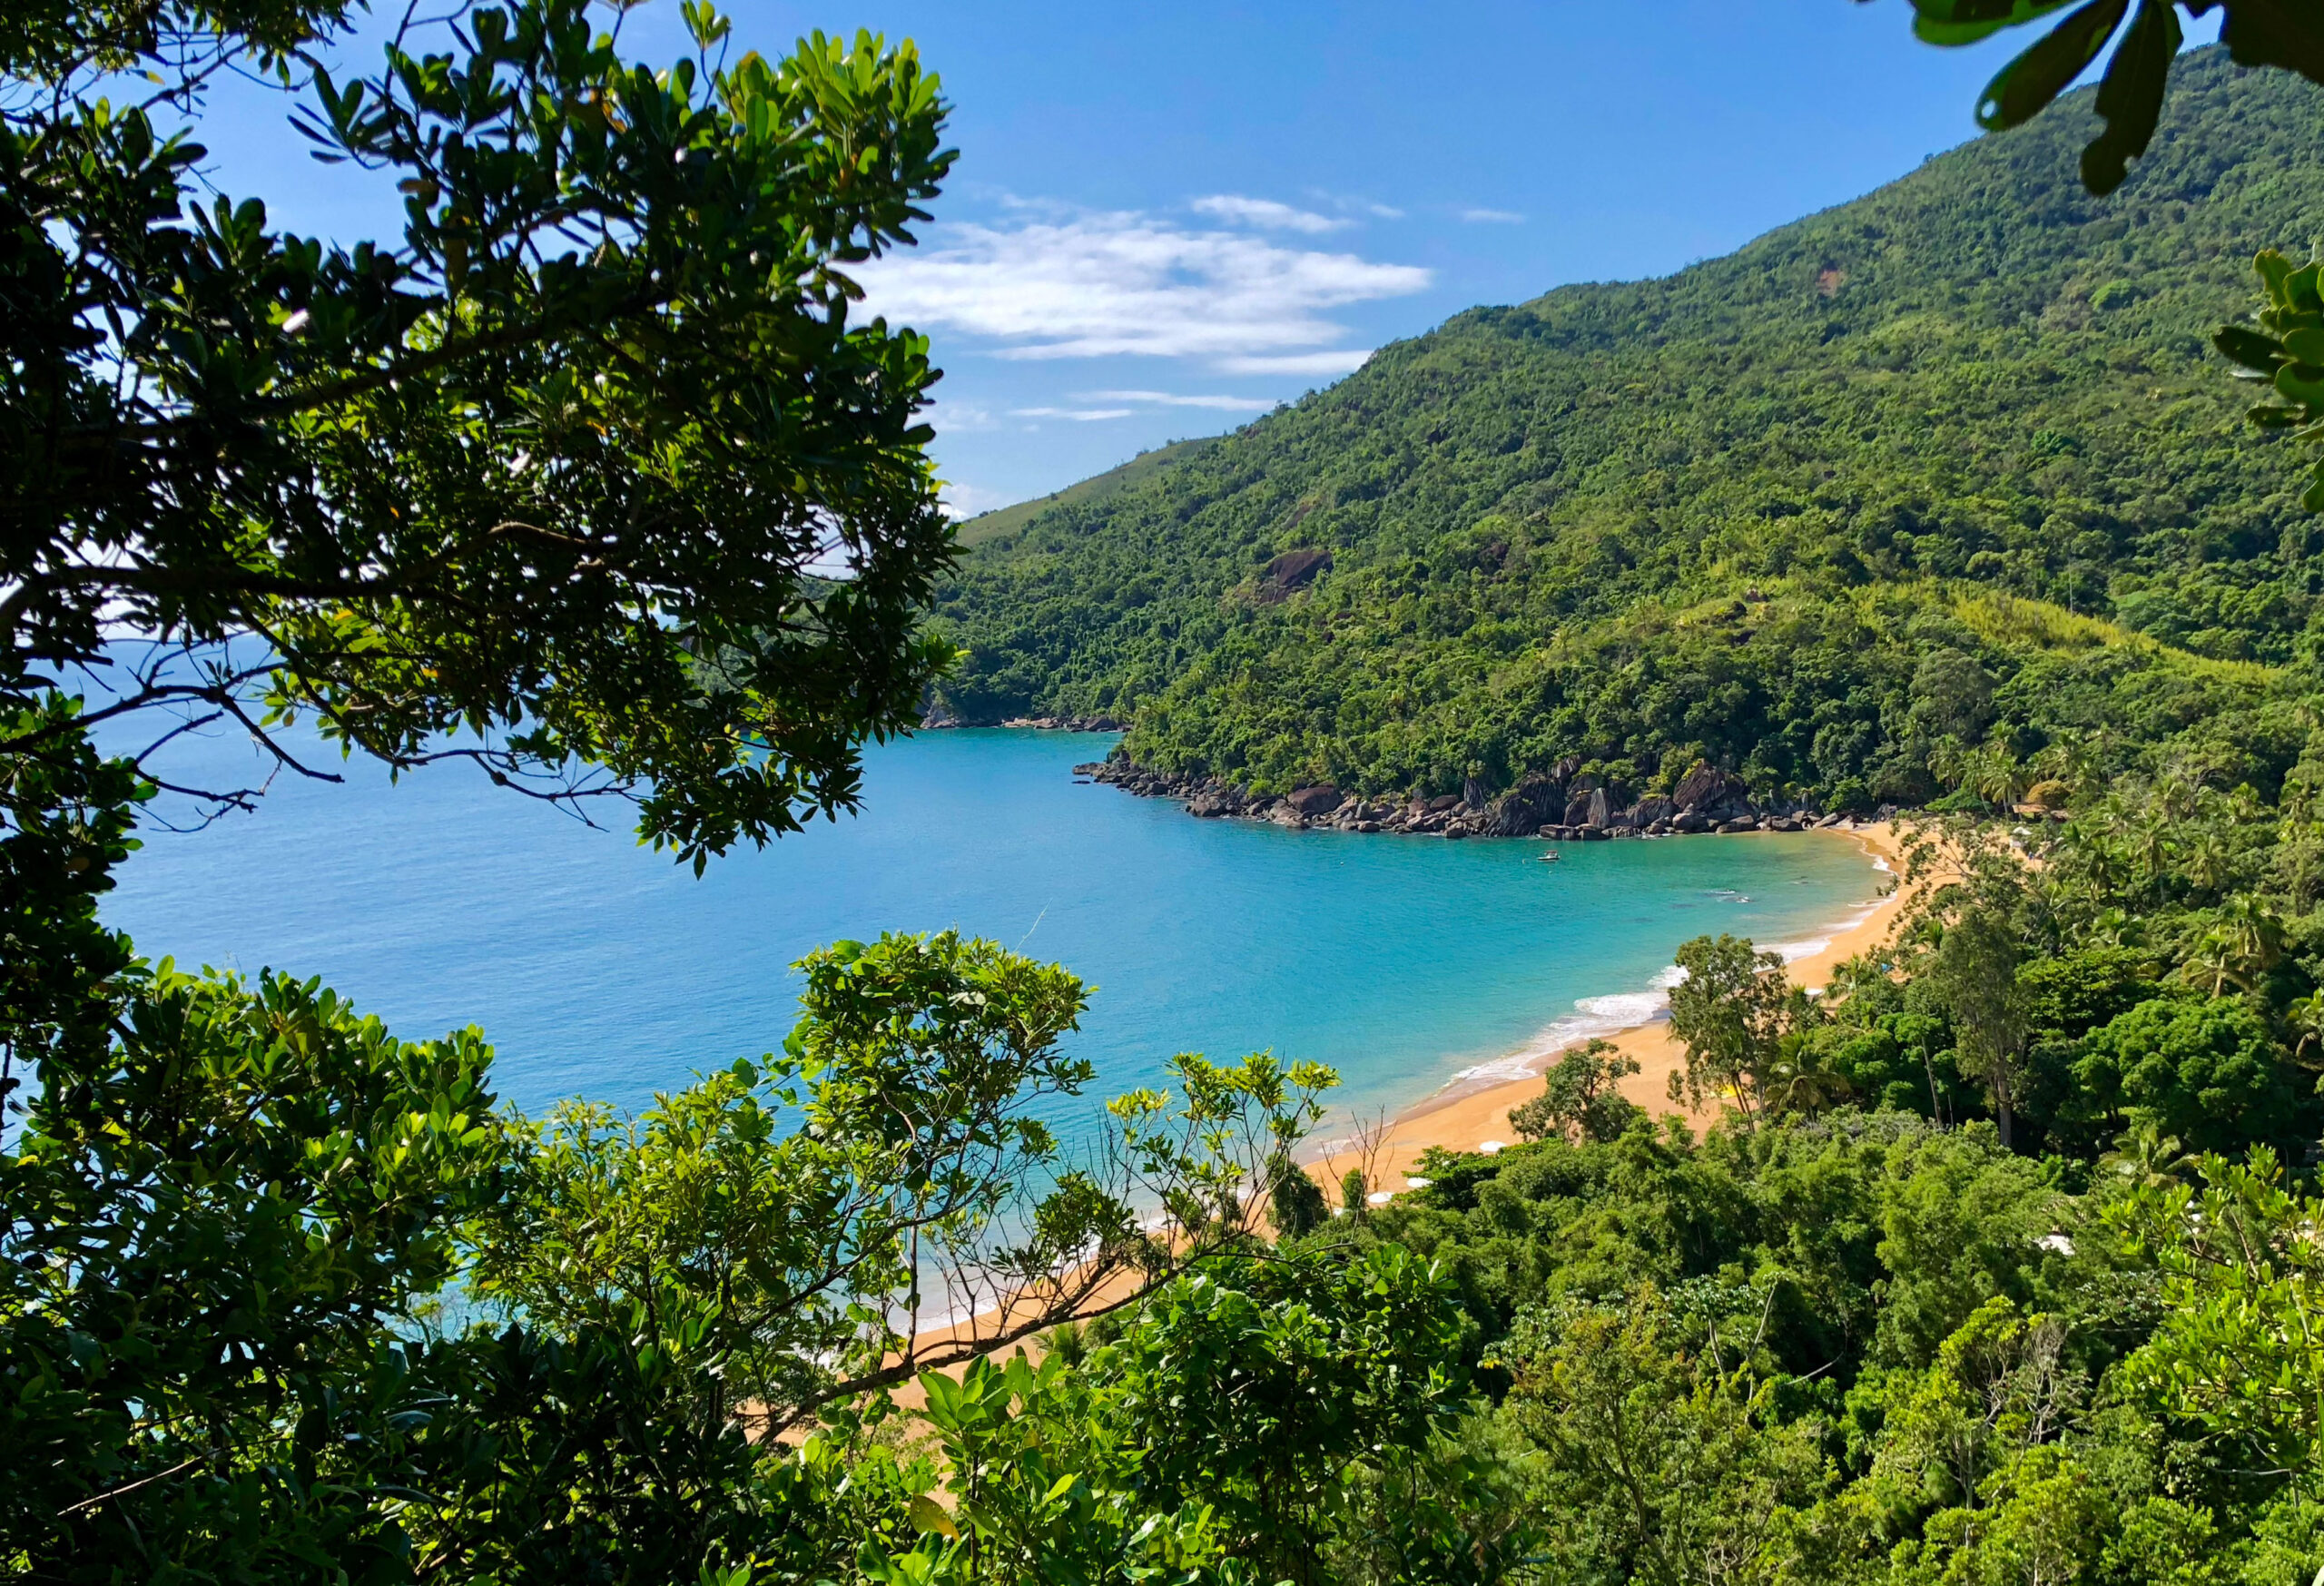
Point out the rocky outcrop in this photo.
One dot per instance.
(1291, 572)
(936, 718)
(1536, 802)
(1574, 807)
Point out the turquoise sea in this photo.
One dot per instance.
(599, 968)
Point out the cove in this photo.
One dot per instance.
(601, 968)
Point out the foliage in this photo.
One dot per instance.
(247, 1230)
(1580, 1098)
(545, 482)
(2256, 33)
(1731, 1011)
(2284, 346)
(1953, 461)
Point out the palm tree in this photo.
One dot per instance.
(1999, 777)
(2306, 1017)
(2147, 1158)
(2246, 941)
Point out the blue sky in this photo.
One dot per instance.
(1166, 218)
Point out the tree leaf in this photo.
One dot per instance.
(2131, 98)
(2024, 88)
(2251, 348)
(1964, 22)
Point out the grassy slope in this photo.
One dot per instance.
(1729, 513)
(986, 527)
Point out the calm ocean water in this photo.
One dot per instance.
(598, 967)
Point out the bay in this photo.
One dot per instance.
(600, 969)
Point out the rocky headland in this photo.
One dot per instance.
(1565, 802)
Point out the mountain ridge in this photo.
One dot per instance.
(1724, 515)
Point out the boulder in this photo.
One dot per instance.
(1739, 823)
(1523, 810)
(1319, 800)
(1689, 820)
(1705, 787)
(1437, 806)
(1473, 793)
(1654, 808)
(1283, 814)
(1291, 571)
(1601, 812)
(1577, 808)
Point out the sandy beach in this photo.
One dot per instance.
(1464, 1117)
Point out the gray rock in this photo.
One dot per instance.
(1577, 808)
(1689, 820)
(1601, 811)
(1319, 800)
(1705, 787)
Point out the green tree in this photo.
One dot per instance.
(1732, 1012)
(1296, 1202)
(1230, 1406)
(1662, 1464)
(1580, 1098)
(890, 1158)
(2206, 1070)
(2240, 1351)
(588, 476)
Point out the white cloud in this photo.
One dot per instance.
(1081, 415)
(1103, 284)
(1264, 211)
(1346, 360)
(1170, 400)
(1493, 217)
(967, 500)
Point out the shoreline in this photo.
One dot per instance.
(1463, 1114)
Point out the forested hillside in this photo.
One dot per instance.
(1733, 514)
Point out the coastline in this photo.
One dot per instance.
(1465, 1115)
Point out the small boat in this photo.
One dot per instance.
(1551, 857)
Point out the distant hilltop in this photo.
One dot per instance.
(1950, 471)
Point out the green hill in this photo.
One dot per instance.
(988, 526)
(1764, 511)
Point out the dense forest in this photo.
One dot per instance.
(1732, 514)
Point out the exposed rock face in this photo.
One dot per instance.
(1525, 809)
(1702, 788)
(1585, 809)
(1291, 571)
